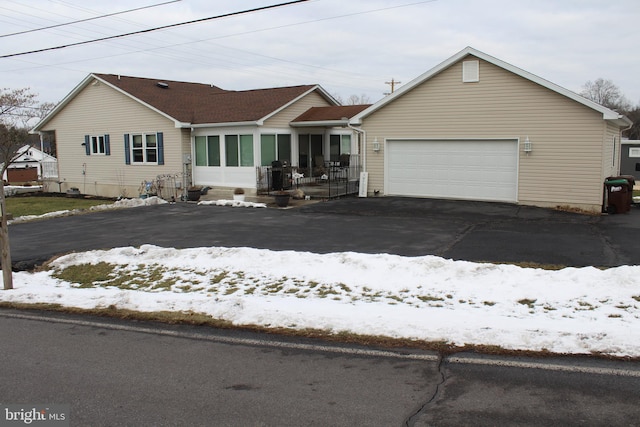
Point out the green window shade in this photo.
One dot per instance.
(346, 144)
(334, 148)
(284, 148)
(231, 149)
(246, 150)
(213, 146)
(201, 151)
(268, 149)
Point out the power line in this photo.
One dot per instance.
(89, 19)
(226, 15)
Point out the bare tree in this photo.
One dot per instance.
(358, 100)
(354, 99)
(634, 116)
(16, 107)
(605, 93)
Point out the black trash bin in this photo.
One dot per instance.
(276, 175)
(619, 195)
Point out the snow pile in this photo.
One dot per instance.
(232, 203)
(574, 310)
(12, 190)
(119, 204)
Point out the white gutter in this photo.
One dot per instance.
(364, 144)
(219, 125)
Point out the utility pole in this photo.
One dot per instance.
(393, 84)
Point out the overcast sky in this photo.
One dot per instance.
(348, 47)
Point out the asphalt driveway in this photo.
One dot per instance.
(472, 231)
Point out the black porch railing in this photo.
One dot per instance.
(330, 180)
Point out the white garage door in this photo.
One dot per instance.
(452, 169)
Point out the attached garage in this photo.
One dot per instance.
(458, 169)
(477, 128)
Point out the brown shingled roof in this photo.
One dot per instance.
(198, 103)
(318, 114)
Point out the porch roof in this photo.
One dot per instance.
(328, 116)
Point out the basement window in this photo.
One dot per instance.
(470, 71)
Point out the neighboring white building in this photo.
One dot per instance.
(31, 164)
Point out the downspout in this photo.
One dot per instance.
(364, 144)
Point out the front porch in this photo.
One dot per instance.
(325, 180)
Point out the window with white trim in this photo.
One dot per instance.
(634, 151)
(208, 150)
(144, 148)
(275, 147)
(97, 145)
(238, 150)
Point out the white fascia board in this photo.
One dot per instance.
(221, 125)
(320, 123)
(607, 114)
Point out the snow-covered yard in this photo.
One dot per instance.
(574, 310)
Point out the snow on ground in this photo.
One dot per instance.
(232, 203)
(574, 310)
(118, 204)
(11, 190)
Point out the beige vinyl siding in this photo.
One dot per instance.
(566, 162)
(99, 110)
(284, 117)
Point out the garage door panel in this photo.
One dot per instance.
(470, 169)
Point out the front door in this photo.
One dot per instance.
(310, 160)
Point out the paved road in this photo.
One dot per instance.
(472, 231)
(143, 374)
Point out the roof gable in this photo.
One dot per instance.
(607, 114)
(339, 114)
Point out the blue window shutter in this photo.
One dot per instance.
(160, 148)
(87, 144)
(107, 146)
(127, 151)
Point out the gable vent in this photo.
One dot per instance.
(470, 71)
(163, 85)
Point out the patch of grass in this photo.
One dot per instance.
(22, 206)
(636, 297)
(105, 274)
(218, 278)
(615, 316)
(86, 275)
(428, 298)
(585, 306)
(231, 290)
(489, 303)
(528, 302)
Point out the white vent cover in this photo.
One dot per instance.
(470, 71)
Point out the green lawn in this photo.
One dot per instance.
(38, 205)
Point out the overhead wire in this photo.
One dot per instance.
(197, 57)
(93, 18)
(148, 30)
